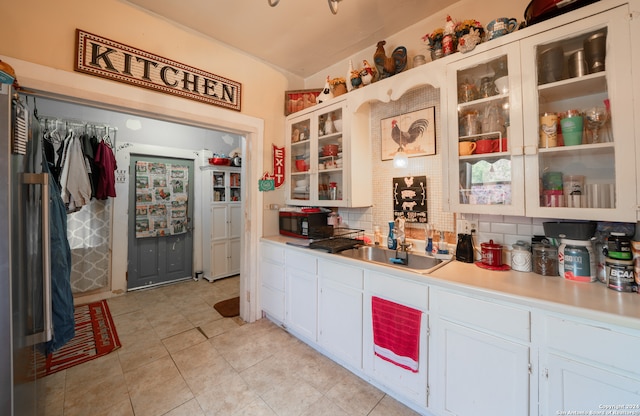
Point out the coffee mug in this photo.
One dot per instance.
(500, 27)
(487, 145)
(466, 148)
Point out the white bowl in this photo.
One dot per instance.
(502, 84)
(302, 182)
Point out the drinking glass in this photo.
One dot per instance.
(596, 117)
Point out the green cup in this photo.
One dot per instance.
(571, 130)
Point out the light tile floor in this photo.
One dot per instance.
(179, 357)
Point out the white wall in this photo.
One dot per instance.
(411, 37)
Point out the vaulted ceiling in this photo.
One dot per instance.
(299, 36)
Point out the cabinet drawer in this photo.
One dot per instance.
(301, 261)
(398, 290)
(477, 313)
(342, 274)
(272, 275)
(596, 342)
(273, 252)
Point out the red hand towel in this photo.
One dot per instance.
(396, 333)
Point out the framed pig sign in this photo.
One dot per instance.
(410, 199)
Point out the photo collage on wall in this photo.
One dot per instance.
(410, 199)
(162, 191)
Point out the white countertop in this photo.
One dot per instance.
(553, 293)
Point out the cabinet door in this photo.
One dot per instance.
(485, 92)
(330, 165)
(219, 261)
(235, 220)
(298, 169)
(219, 222)
(410, 385)
(234, 255)
(302, 303)
(580, 142)
(570, 385)
(340, 311)
(483, 374)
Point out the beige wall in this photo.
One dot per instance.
(43, 32)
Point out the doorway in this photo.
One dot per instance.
(160, 232)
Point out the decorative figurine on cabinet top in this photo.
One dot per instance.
(469, 41)
(389, 66)
(326, 93)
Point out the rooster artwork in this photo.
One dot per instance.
(403, 138)
(412, 133)
(388, 66)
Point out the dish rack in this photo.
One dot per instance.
(342, 239)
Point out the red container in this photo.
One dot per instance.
(330, 150)
(491, 254)
(220, 161)
(301, 165)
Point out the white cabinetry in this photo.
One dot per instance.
(340, 311)
(302, 294)
(329, 157)
(585, 367)
(402, 382)
(272, 276)
(222, 222)
(481, 357)
(510, 179)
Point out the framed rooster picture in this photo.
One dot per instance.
(413, 133)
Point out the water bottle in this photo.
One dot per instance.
(392, 243)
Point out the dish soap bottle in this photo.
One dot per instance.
(392, 243)
(377, 236)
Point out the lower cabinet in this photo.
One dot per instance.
(402, 383)
(221, 251)
(301, 314)
(588, 368)
(478, 354)
(340, 312)
(481, 356)
(272, 278)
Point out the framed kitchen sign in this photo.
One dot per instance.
(410, 199)
(299, 100)
(414, 133)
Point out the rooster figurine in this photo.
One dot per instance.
(403, 138)
(389, 66)
(367, 74)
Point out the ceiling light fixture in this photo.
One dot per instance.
(333, 4)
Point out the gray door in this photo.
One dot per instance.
(160, 212)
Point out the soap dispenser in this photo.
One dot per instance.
(392, 243)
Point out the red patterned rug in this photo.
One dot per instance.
(95, 336)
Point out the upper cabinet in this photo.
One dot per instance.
(328, 157)
(591, 102)
(543, 125)
(485, 132)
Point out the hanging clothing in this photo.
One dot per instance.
(61, 295)
(74, 180)
(106, 161)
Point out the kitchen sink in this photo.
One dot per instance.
(418, 263)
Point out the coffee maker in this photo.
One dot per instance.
(464, 248)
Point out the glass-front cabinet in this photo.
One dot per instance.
(545, 124)
(320, 152)
(487, 148)
(578, 120)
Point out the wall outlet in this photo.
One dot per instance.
(465, 226)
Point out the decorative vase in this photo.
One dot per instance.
(339, 89)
